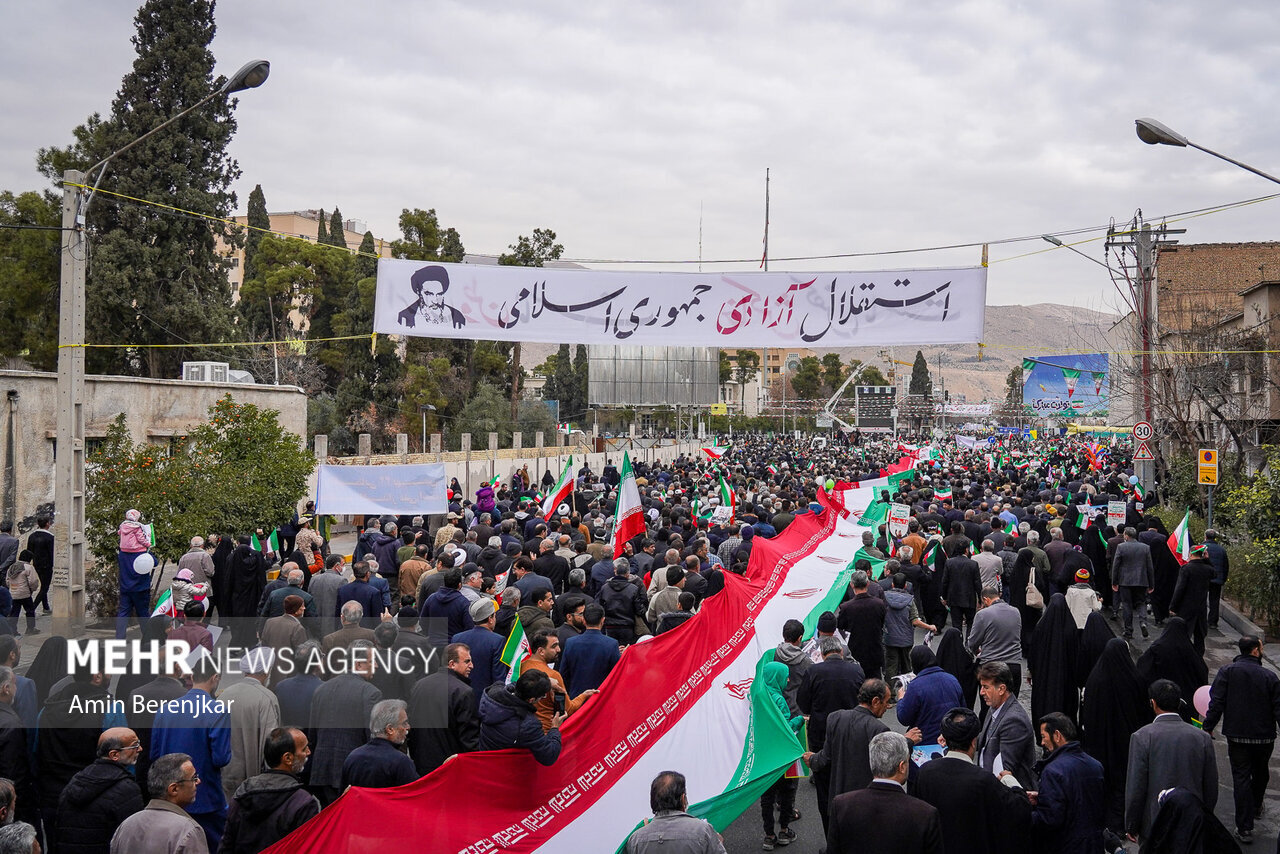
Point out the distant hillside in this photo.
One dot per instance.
(1010, 333)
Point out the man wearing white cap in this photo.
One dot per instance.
(255, 711)
(485, 645)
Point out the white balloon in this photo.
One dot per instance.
(144, 563)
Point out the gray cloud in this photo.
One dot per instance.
(886, 125)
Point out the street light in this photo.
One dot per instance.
(1153, 132)
(1057, 242)
(69, 450)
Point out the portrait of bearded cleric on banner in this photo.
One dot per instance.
(430, 284)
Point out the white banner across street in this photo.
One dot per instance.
(753, 309)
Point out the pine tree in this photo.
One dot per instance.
(156, 276)
(920, 380)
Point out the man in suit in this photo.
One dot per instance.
(827, 687)
(588, 659)
(961, 582)
(862, 620)
(980, 813)
(1133, 577)
(882, 818)
(1007, 734)
(1165, 753)
(844, 754)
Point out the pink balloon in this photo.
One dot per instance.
(1201, 701)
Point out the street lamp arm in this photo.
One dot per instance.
(1234, 162)
(249, 76)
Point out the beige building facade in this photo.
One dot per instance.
(159, 412)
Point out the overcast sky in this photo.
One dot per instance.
(887, 125)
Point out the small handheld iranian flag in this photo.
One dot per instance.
(943, 493)
(164, 607)
(629, 516)
(560, 491)
(727, 498)
(1180, 540)
(715, 452)
(515, 651)
(150, 528)
(773, 470)
(273, 543)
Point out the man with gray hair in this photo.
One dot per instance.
(18, 838)
(293, 587)
(858, 818)
(101, 796)
(351, 614)
(199, 561)
(383, 763)
(624, 602)
(324, 588)
(164, 826)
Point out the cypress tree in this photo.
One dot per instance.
(337, 231)
(157, 276)
(322, 231)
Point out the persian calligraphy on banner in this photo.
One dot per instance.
(398, 490)
(752, 309)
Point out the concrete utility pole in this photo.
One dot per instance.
(68, 493)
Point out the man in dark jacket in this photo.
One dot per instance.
(1245, 696)
(508, 719)
(881, 818)
(100, 797)
(340, 720)
(1191, 595)
(1069, 811)
(862, 619)
(827, 687)
(360, 590)
(382, 763)
(65, 740)
(15, 756)
(961, 583)
(848, 738)
(1217, 557)
(442, 712)
(980, 813)
(385, 547)
(623, 601)
(447, 610)
(269, 806)
(588, 658)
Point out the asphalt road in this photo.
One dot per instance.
(747, 833)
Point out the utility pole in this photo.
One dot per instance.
(764, 262)
(69, 486)
(1138, 249)
(942, 397)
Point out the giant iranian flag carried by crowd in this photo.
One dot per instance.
(629, 514)
(689, 700)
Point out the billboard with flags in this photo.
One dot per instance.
(1066, 386)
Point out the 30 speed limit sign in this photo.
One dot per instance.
(1142, 431)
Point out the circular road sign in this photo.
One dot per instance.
(1142, 431)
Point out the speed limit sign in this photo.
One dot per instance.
(1142, 431)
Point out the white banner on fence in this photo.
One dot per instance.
(754, 309)
(966, 408)
(399, 490)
